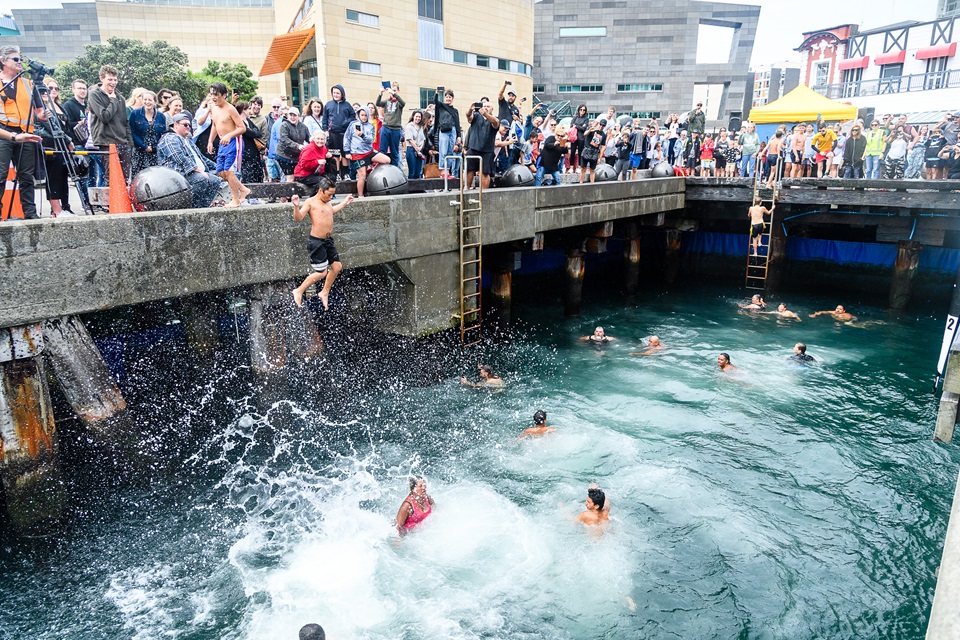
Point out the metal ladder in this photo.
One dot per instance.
(471, 257)
(758, 265)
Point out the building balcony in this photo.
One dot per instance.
(948, 79)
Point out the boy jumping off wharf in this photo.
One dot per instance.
(324, 259)
(756, 213)
(228, 125)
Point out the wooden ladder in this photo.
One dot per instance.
(471, 257)
(758, 266)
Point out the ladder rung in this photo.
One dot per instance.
(476, 226)
(473, 278)
(471, 295)
(471, 262)
(473, 327)
(470, 245)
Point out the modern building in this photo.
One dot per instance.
(645, 57)
(770, 82)
(468, 47)
(948, 8)
(907, 67)
(242, 33)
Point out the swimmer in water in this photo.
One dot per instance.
(487, 378)
(653, 345)
(312, 632)
(539, 427)
(756, 303)
(783, 312)
(415, 507)
(598, 337)
(839, 314)
(595, 514)
(723, 361)
(800, 354)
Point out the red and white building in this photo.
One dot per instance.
(906, 67)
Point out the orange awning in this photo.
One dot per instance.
(284, 50)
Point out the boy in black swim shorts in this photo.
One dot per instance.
(324, 259)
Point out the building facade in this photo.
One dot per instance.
(641, 56)
(906, 67)
(421, 44)
(242, 33)
(948, 8)
(770, 83)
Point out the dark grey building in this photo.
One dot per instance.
(55, 35)
(640, 56)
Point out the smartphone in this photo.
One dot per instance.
(477, 105)
(507, 82)
(386, 84)
(440, 89)
(359, 128)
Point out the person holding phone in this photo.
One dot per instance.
(508, 110)
(358, 148)
(448, 135)
(481, 141)
(392, 130)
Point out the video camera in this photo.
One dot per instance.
(38, 71)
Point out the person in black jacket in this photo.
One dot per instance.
(337, 115)
(853, 151)
(251, 166)
(449, 136)
(294, 136)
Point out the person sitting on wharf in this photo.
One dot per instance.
(539, 427)
(324, 259)
(358, 148)
(487, 378)
(653, 345)
(415, 507)
(783, 312)
(757, 224)
(595, 513)
(723, 361)
(800, 354)
(756, 303)
(312, 632)
(840, 314)
(178, 151)
(598, 336)
(313, 162)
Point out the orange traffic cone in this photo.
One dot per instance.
(119, 196)
(11, 192)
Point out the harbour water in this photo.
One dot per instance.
(782, 502)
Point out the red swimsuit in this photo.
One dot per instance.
(418, 515)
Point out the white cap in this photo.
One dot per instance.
(293, 111)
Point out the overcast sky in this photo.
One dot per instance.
(781, 21)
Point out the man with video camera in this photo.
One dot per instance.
(17, 138)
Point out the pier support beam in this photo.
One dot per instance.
(84, 378)
(200, 324)
(502, 266)
(573, 286)
(267, 347)
(671, 262)
(777, 258)
(908, 257)
(29, 469)
(631, 259)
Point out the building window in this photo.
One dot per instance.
(936, 74)
(366, 19)
(426, 97)
(635, 88)
(890, 78)
(503, 65)
(851, 82)
(460, 57)
(821, 74)
(580, 88)
(304, 8)
(483, 61)
(645, 114)
(368, 68)
(432, 9)
(581, 32)
(539, 88)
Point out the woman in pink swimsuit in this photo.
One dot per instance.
(416, 506)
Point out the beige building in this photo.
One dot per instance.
(422, 44)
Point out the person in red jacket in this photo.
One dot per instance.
(312, 163)
(707, 162)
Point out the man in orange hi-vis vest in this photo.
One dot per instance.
(18, 143)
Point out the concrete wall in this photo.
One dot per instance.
(89, 263)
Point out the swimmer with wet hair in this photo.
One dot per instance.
(595, 513)
(539, 427)
(783, 312)
(756, 303)
(415, 507)
(653, 345)
(312, 631)
(723, 361)
(487, 378)
(839, 314)
(598, 337)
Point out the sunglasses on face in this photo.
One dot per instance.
(14, 59)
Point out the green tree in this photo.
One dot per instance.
(149, 65)
(237, 77)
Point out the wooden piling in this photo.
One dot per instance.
(83, 376)
(631, 259)
(777, 258)
(267, 347)
(905, 267)
(200, 324)
(671, 263)
(29, 469)
(573, 290)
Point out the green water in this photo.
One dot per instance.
(784, 502)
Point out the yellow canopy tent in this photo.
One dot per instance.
(802, 104)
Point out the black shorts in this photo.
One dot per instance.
(365, 161)
(756, 230)
(934, 163)
(721, 160)
(322, 253)
(286, 165)
(486, 161)
(588, 163)
(335, 140)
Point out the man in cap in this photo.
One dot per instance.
(177, 151)
(507, 110)
(503, 143)
(697, 120)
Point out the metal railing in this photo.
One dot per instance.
(947, 79)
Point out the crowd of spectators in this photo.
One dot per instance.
(341, 140)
